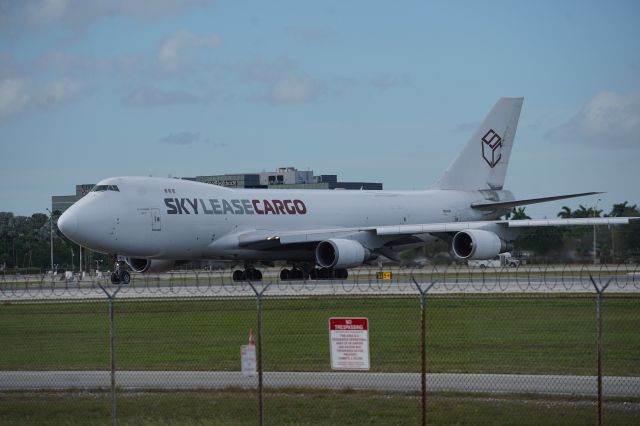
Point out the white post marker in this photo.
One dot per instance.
(349, 343)
(248, 358)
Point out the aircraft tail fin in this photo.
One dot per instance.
(483, 162)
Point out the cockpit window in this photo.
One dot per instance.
(101, 188)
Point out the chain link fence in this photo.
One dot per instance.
(533, 344)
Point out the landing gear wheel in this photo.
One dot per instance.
(253, 275)
(296, 274)
(125, 278)
(285, 274)
(341, 274)
(115, 279)
(247, 275)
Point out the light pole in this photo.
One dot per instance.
(51, 237)
(594, 231)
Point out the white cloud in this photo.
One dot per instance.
(59, 91)
(18, 95)
(180, 49)
(45, 11)
(609, 119)
(281, 82)
(78, 14)
(294, 90)
(14, 96)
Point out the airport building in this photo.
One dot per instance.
(63, 202)
(285, 178)
(281, 178)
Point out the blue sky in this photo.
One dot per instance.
(376, 91)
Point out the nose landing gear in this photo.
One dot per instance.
(119, 275)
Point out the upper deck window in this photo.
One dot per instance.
(100, 188)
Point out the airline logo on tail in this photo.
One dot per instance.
(492, 148)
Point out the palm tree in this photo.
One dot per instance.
(623, 209)
(565, 213)
(518, 214)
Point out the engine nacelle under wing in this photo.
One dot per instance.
(341, 253)
(150, 265)
(476, 244)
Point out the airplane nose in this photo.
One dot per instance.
(68, 224)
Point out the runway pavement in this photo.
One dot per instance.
(189, 288)
(402, 382)
(448, 280)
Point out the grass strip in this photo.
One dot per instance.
(529, 335)
(306, 407)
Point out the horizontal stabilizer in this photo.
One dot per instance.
(516, 203)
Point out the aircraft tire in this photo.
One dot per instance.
(285, 275)
(238, 275)
(253, 274)
(341, 274)
(324, 273)
(115, 279)
(297, 274)
(125, 277)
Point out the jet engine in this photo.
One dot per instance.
(150, 265)
(476, 244)
(339, 253)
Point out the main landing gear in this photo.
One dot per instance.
(301, 274)
(119, 275)
(248, 274)
(297, 273)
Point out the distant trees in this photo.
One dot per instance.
(24, 243)
(576, 243)
(625, 242)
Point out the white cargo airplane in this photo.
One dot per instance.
(154, 223)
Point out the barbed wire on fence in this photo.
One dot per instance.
(364, 280)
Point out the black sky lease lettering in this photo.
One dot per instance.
(234, 206)
(204, 207)
(194, 205)
(184, 208)
(171, 208)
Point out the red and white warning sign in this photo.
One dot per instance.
(349, 343)
(248, 362)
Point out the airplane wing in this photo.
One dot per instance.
(528, 223)
(265, 239)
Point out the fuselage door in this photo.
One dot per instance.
(155, 220)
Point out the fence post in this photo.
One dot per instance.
(112, 339)
(423, 346)
(599, 291)
(259, 349)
